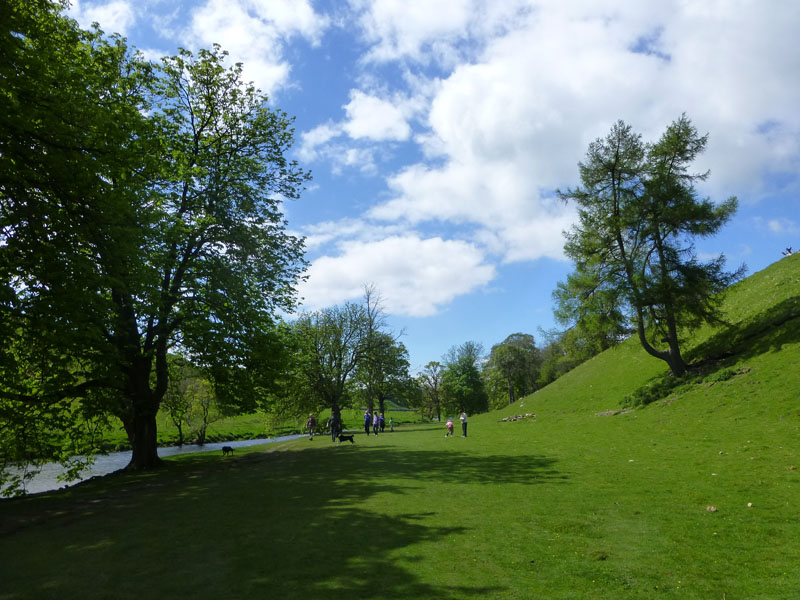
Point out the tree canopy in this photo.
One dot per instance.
(633, 248)
(141, 211)
(513, 366)
(463, 387)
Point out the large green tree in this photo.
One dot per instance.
(633, 246)
(383, 370)
(141, 210)
(75, 150)
(463, 387)
(514, 365)
(327, 347)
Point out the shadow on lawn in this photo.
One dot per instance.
(309, 535)
(276, 524)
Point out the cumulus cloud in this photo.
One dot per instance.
(375, 119)
(416, 276)
(519, 90)
(509, 127)
(255, 32)
(312, 140)
(116, 16)
(323, 236)
(351, 142)
(431, 32)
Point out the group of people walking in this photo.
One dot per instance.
(376, 421)
(372, 422)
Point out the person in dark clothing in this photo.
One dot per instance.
(311, 425)
(334, 425)
(367, 421)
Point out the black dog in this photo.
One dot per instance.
(346, 438)
(227, 450)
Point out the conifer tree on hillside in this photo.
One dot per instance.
(633, 246)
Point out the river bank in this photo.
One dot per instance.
(47, 479)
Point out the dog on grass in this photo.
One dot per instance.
(227, 450)
(346, 438)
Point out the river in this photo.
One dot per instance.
(47, 478)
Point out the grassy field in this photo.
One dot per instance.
(693, 495)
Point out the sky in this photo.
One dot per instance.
(437, 134)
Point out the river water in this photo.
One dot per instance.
(47, 478)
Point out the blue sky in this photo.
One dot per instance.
(437, 131)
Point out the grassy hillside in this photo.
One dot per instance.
(694, 495)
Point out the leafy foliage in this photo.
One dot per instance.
(513, 368)
(141, 211)
(463, 387)
(633, 246)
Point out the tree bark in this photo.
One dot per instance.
(672, 357)
(145, 443)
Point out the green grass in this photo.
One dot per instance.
(584, 502)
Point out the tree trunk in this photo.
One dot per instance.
(145, 443)
(511, 397)
(672, 357)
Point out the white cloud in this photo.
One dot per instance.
(510, 126)
(431, 31)
(375, 119)
(312, 140)
(116, 16)
(254, 32)
(416, 276)
(353, 142)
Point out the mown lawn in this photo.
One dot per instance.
(693, 496)
(571, 505)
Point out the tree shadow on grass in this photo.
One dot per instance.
(769, 331)
(275, 524)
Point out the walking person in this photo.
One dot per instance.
(311, 425)
(375, 423)
(463, 418)
(333, 424)
(367, 421)
(382, 422)
(391, 424)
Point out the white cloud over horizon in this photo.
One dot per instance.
(415, 276)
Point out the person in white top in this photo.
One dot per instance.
(463, 418)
